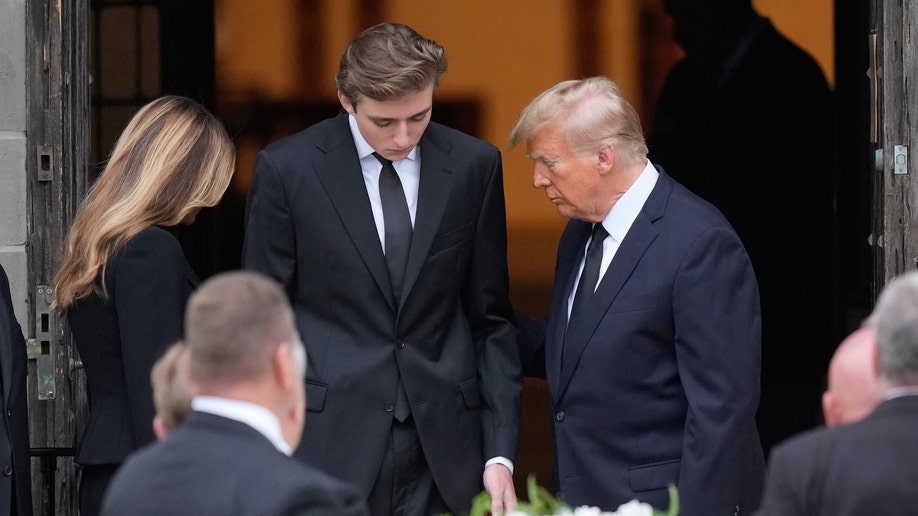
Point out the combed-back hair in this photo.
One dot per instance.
(389, 61)
(174, 157)
(593, 113)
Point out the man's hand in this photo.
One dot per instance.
(499, 483)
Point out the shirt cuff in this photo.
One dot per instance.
(501, 460)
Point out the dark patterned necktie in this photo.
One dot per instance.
(397, 222)
(590, 275)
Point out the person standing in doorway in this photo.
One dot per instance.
(124, 280)
(388, 232)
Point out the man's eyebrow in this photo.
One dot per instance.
(421, 112)
(379, 119)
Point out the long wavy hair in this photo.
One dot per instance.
(173, 158)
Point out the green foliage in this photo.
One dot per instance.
(673, 503)
(542, 502)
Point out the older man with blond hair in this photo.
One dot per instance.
(651, 346)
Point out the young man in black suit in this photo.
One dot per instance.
(866, 467)
(388, 233)
(15, 464)
(232, 454)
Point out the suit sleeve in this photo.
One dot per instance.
(151, 287)
(718, 347)
(16, 403)
(492, 322)
(531, 343)
(270, 241)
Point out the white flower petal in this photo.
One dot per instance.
(634, 508)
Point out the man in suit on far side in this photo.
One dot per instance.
(866, 467)
(388, 232)
(232, 454)
(15, 464)
(651, 348)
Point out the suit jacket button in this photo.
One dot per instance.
(401, 344)
(390, 407)
(9, 414)
(7, 471)
(560, 416)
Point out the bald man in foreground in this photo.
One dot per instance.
(854, 388)
(231, 455)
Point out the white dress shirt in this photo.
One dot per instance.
(261, 419)
(618, 222)
(408, 170)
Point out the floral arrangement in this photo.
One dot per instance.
(542, 503)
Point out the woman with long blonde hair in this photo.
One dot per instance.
(124, 279)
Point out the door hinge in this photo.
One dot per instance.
(900, 160)
(42, 348)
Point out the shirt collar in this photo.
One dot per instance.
(619, 219)
(364, 149)
(256, 416)
(898, 392)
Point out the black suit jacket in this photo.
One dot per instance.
(861, 468)
(451, 339)
(120, 338)
(15, 464)
(660, 383)
(211, 465)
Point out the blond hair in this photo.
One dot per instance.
(174, 157)
(171, 389)
(593, 113)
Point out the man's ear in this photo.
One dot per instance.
(159, 427)
(284, 365)
(830, 409)
(345, 103)
(605, 159)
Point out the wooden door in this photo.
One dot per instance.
(57, 143)
(894, 111)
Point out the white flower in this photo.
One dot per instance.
(634, 508)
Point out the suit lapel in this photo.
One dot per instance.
(341, 176)
(629, 254)
(434, 190)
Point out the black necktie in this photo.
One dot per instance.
(397, 222)
(590, 275)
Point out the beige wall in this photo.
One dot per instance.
(502, 53)
(809, 23)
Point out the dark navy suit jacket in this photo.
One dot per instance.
(660, 383)
(211, 465)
